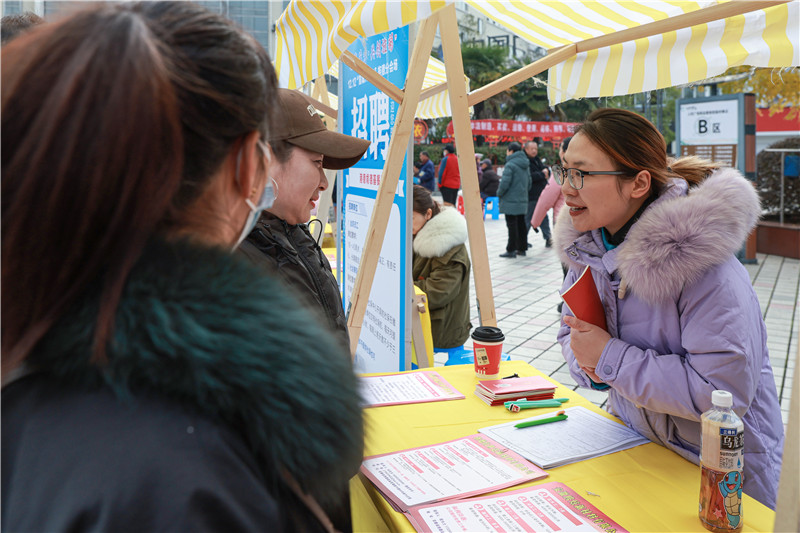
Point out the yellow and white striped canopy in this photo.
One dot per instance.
(436, 106)
(312, 34)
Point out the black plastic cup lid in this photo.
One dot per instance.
(488, 334)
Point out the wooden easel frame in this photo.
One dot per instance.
(320, 93)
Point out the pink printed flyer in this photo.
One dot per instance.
(455, 469)
(548, 507)
(408, 387)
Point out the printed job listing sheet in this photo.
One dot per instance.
(547, 507)
(411, 387)
(458, 468)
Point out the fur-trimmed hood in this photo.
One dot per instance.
(207, 331)
(441, 233)
(678, 237)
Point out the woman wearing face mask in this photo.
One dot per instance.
(441, 267)
(151, 379)
(281, 241)
(682, 316)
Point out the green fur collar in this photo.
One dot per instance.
(204, 329)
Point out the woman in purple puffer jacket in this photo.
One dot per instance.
(682, 316)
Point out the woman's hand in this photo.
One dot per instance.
(587, 342)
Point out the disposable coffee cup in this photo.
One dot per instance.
(487, 346)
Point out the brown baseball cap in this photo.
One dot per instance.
(298, 123)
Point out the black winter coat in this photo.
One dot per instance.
(212, 391)
(538, 179)
(489, 182)
(289, 251)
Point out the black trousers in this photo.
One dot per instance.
(517, 233)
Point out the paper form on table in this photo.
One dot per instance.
(455, 469)
(583, 435)
(410, 387)
(547, 507)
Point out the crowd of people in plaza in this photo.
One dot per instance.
(175, 352)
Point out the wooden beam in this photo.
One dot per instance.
(391, 90)
(398, 147)
(462, 131)
(686, 20)
(431, 91)
(787, 512)
(560, 54)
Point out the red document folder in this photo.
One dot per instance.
(584, 301)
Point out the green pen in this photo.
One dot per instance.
(516, 405)
(559, 416)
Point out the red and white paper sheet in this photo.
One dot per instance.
(410, 387)
(455, 469)
(548, 507)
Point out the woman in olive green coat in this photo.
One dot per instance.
(441, 268)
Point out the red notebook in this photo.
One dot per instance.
(498, 391)
(584, 301)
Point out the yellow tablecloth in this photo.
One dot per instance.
(646, 488)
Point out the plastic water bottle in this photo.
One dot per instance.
(721, 463)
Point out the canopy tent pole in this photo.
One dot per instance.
(398, 146)
(390, 89)
(326, 197)
(462, 132)
(787, 512)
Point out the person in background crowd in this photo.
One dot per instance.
(478, 165)
(551, 198)
(152, 380)
(427, 174)
(13, 25)
(449, 176)
(489, 180)
(441, 268)
(513, 194)
(539, 176)
(683, 319)
(281, 241)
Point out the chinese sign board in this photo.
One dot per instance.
(722, 129)
(496, 130)
(368, 113)
(712, 128)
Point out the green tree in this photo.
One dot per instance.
(483, 65)
(775, 88)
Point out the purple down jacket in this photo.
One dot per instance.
(684, 321)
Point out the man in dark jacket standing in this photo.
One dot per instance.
(513, 192)
(427, 174)
(539, 176)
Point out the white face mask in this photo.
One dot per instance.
(268, 196)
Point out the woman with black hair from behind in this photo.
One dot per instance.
(151, 380)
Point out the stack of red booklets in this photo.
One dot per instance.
(499, 391)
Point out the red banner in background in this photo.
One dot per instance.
(497, 130)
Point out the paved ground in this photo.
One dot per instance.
(525, 293)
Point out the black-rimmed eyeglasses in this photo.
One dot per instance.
(575, 176)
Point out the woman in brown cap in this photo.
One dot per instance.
(281, 241)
